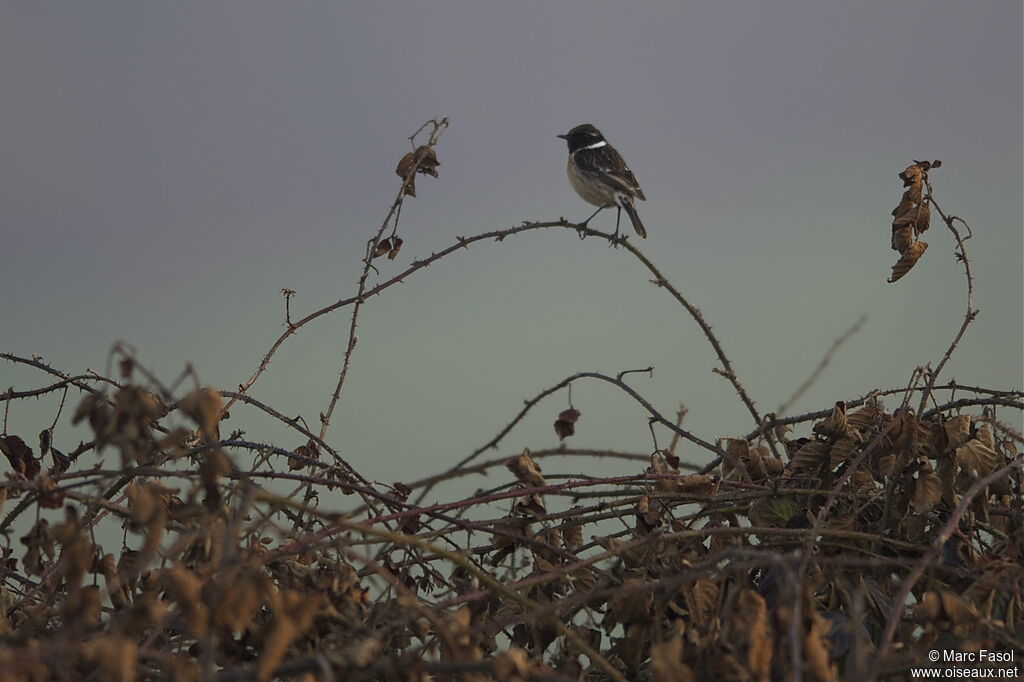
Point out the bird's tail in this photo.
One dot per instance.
(627, 205)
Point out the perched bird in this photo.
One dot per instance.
(601, 177)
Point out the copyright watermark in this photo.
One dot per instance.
(981, 664)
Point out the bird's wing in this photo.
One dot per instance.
(608, 165)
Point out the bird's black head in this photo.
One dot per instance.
(582, 136)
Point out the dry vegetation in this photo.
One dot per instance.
(840, 544)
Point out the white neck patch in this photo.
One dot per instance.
(596, 145)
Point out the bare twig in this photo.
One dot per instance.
(439, 126)
(843, 338)
(970, 314)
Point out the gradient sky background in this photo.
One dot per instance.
(166, 168)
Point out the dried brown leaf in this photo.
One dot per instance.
(927, 491)
(423, 160)
(702, 600)
(526, 470)
(902, 238)
(836, 425)
(114, 655)
(565, 425)
(912, 175)
(203, 406)
(396, 246)
(50, 496)
(810, 456)
(908, 258)
(863, 417)
(572, 536)
(511, 665)
(842, 451)
(747, 626)
(977, 459)
(908, 217)
(695, 484)
(383, 247)
(19, 454)
(185, 587)
(667, 661)
(632, 603)
(816, 650)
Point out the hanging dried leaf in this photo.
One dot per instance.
(396, 246)
(647, 519)
(203, 407)
(19, 454)
(60, 461)
(531, 505)
(911, 218)
(509, 528)
(383, 247)
(310, 450)
(911, 175)
(565, 425)
(908, 258)
(902, 238)
(913, 195)
(906, 215)
(572, 536)
(100, 415)
(423, 160)
(50, 496)
(526, 470)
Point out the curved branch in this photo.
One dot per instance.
(970, 314)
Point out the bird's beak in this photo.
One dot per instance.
(564, 137)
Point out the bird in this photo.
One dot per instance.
(601, 177)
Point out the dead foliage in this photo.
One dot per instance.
(911, 217)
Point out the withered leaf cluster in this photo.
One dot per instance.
(565, 425)
(422, 160)
(911, 217)
(389, 246)
(666, 575)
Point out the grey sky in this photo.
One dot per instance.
(165, 169)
